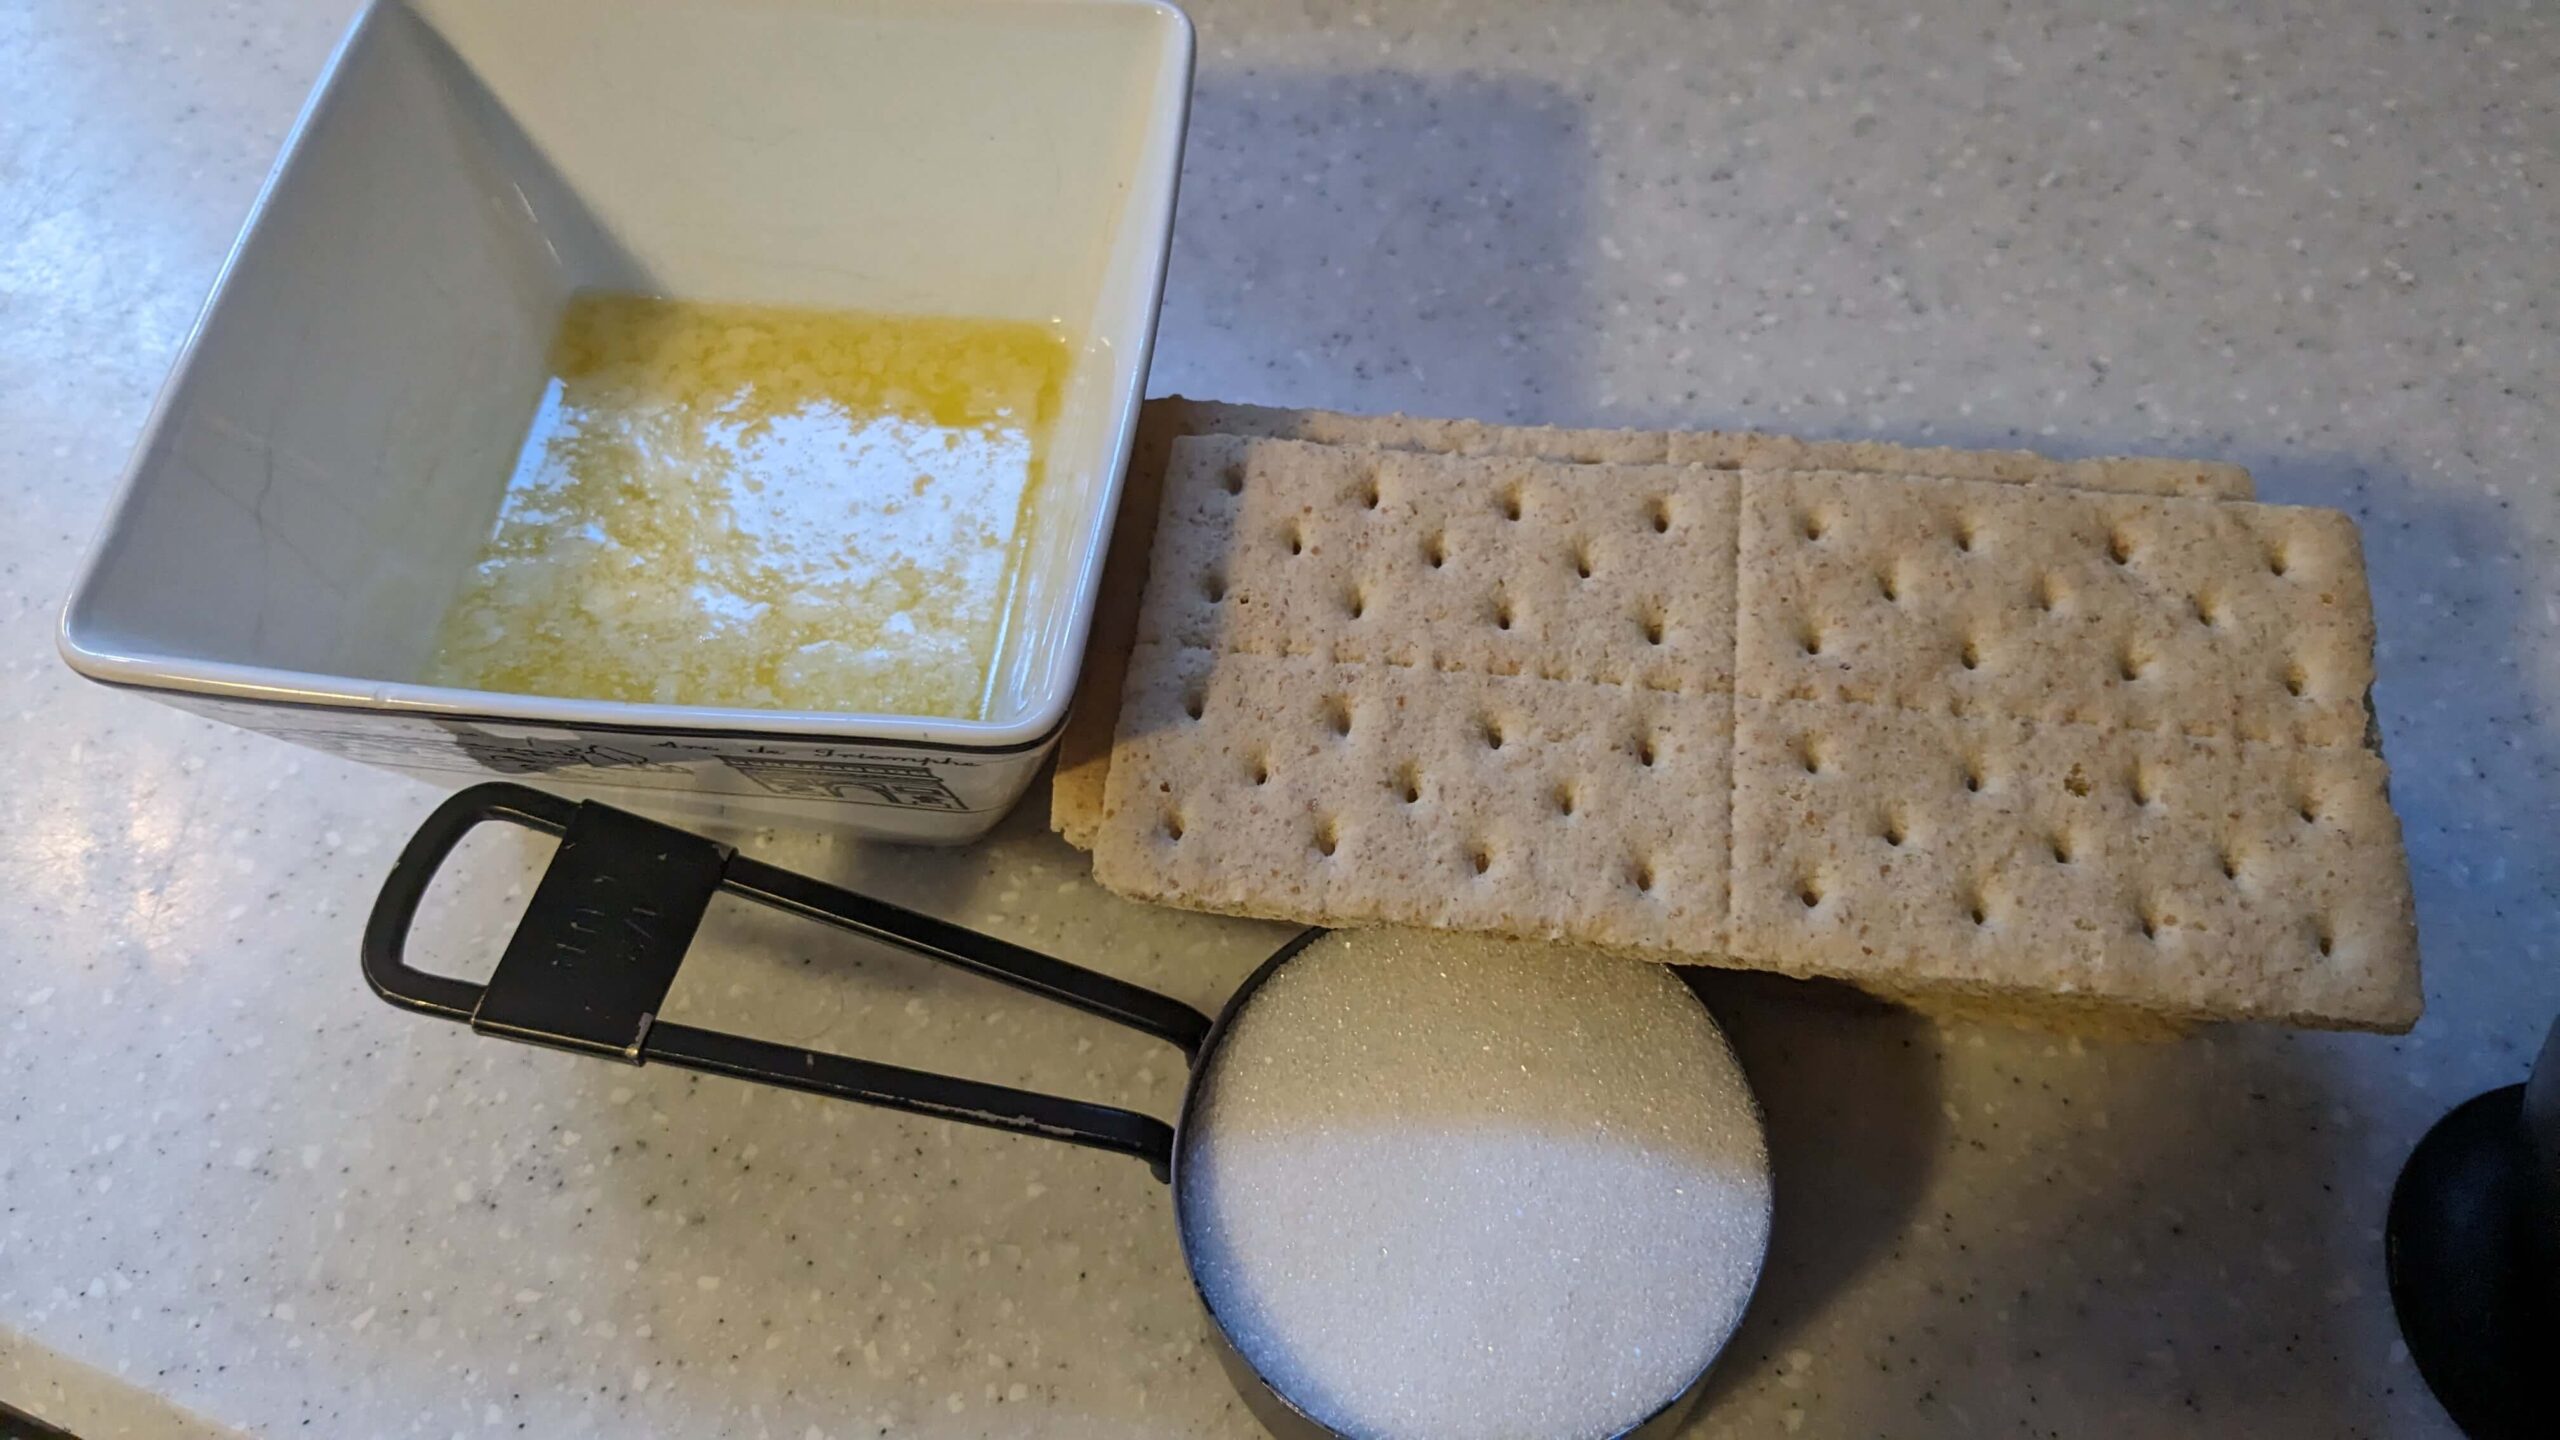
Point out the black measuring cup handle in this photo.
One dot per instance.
(598, 948)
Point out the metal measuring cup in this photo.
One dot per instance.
(608, 926)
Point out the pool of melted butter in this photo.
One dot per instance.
(766, 508)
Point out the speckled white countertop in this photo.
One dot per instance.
(2312, 238)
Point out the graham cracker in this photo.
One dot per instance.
(2048, 821)
(1084, 749)
(1293, 787)
(2189, 877)
(1621, 575)
(2129, 612)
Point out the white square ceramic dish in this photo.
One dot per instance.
(328, 456)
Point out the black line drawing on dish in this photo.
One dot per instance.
(863, 780)
(376, 747)
(526, 755)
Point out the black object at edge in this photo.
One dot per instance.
(2472, 1246)
(607, 928)
(17, 1424)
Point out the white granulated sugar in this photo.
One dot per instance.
(1442, 1185)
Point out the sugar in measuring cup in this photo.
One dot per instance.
(1426, 1184)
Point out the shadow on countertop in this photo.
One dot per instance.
(1379, 240)
(1849, 1095)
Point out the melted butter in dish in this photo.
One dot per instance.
(764, 508)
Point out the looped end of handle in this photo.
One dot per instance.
(598, 949)
(395, 909)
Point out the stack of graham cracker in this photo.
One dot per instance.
(1934, 722)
